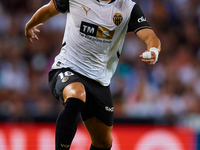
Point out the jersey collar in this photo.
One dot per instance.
(108, 3)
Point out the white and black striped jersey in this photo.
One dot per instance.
(94, 35)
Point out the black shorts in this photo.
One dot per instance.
(98, 97)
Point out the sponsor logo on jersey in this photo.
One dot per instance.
(86, 10)
(142, 19)
(105, 33)
(117, 18)
(110, 109)
(96, 31)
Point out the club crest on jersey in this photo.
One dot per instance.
(117, 18)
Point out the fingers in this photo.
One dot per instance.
(30, 33)
(36, 30)
(30, 40)
(150, 61)
(31, 37)
(35, 37)
(153, 55)
(39, 25)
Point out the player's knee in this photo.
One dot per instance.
(107, 143)
(75, 91)
(104, 143)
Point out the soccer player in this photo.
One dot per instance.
(80, 76)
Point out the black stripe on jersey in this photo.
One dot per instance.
(63, 44)
(137, 20)
(61, 5)
(118, 54)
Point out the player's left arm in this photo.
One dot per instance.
(139, 24)
(153, 46)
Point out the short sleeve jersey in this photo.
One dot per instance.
(94, 35)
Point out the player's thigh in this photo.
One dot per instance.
(100, 133)
(65, 83)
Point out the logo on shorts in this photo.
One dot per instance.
(68, 73)
(65, 76)
(110, 109)
(65, 79)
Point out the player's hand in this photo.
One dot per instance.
(30, 33)
(150, 60)
(150, 56)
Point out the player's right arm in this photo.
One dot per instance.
(41, 15)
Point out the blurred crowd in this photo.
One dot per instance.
(169, 90)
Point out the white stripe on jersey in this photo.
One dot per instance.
(94, 34)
